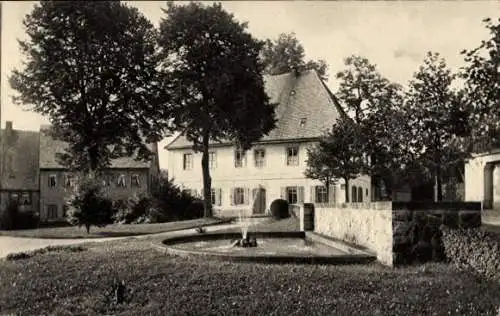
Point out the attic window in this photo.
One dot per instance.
(303, 122)
(292, 92)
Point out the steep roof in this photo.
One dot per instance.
(50, 146)
(302, 98)
(20, 160)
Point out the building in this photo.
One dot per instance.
(34, 178)
(482, 179)
(19, 168)
(247, 182)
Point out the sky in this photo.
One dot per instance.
(394, 35)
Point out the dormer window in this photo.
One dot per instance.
(303, 122)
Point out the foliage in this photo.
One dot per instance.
(473, 249)
(88, 205)
(29, 254)
(437, 116)
(91, 68)
(131, 210)
(215, 80)
(338, 154)
(286, 54)
(375, 104)
(8, 216)
(171, 203)
(279, 209)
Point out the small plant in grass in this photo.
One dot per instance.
(88, 205)
(118, 294)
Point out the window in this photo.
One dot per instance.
(367, 192)
(51, 211)
(354, 194)
(321, 194)
(68, 181)
(188, 162)
(360, 194)
(106, 180)
(292, 156)
(212, 160)
(239, 196)
(239, 158)
(134, 181)
(303, 122)
(26, 199)
(259, 157)
(121, 181)
(14, 197)
(292, 195)
(213, 196)
(52, 181)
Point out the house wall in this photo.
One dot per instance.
(33, 207)
(55, 195)
(274, 176)
(482, 180)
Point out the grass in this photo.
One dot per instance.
(115, 230)
(67, 283)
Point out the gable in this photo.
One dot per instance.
(305, 109)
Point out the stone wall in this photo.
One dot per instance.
(399, 232)
(416, 228)
(365, 224)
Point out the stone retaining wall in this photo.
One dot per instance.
(359, 224)
(399, 232)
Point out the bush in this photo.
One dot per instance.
(279, 209)
(169, 202)
(88, 205)
(132, 210)
(473, 249)
(8, 216)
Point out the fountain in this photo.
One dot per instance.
(246, 240)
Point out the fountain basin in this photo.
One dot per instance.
(273, 247)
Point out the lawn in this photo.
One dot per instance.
(67, 283)
(115, 230)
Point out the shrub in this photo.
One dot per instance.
(169, 202)
(88, 205)
(132, 210)
(473, 249)
(8, 216)
(279, 209)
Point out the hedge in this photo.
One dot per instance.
(473, 249)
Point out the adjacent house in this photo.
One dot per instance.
(31, 175)
(482, 179)
(247, 182)
(126, 177)
(19, 168)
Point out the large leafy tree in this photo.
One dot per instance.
(216, 80)
(437, 117)
(375, 104)
(482, 86)
(286, 54)
(339, 154)
(90, 67)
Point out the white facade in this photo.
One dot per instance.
(271, 173)
(482, 180)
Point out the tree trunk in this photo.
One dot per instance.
(346, 190)
(439, 184)
(207, 203)
(87, 227)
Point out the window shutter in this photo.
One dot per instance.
(283, 193)
(312, 198)
(300, 194)
(246, 196)
(286, 155)
(254, 194)
(231, 196)
(219, 197)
